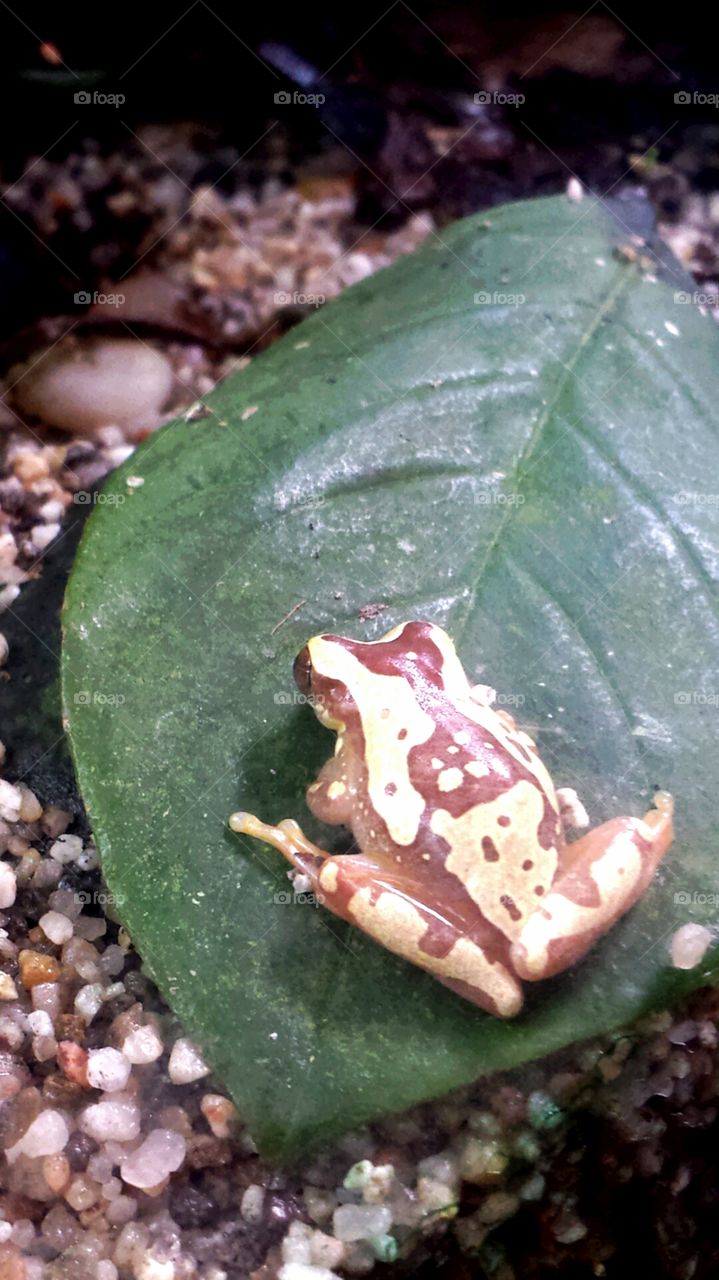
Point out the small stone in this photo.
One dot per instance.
(8, 886)
(186, 1063)
(30, 808)
(361, 1221)
(66, 848)
(56, 1172)
(56, 927)
(142, 1045)
(4, 649)
(483, 1161)
(10, 801)
(107, 1069)
(689, 945)
(36, 967)
(72, 1061)
(543, 1112)
(219, 1113)
(252, 1203)
(301, 1271)
(47, 1134)
(115, 1119)
(82, 1193)
(89, 1000)
(162, 1152)
(8, 990)
(40, 1023)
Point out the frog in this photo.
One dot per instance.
(462, 865)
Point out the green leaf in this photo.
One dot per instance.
(534, 473)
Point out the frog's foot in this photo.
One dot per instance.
(602, 876)
(571, 809)
(367, 891)
(287, 837)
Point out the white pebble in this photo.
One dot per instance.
(142, 1045)
(66, 848)
(56, 927)
(107, 1069)
(10, 801)
(66, 902)
(8, 990)
(40, 1023)
(106, 1270)
(47, 1135)
(99, 382)
(88, 1000)
(30, 808)
(4, 649)
(360, 1221)
(113, 1119)
(41, 535)
(160, 1154)
(8, 886)
(186, 1063)
(252, 1203)
(5, 1231)
(689, 945)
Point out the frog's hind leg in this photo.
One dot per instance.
(287, 837)
(601, 876)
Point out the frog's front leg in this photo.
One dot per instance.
(288, 837)
(601, 876)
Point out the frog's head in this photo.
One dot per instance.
(335, 673)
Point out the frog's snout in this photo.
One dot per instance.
(302, 670)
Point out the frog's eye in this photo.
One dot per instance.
(302, 670)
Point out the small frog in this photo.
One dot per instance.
(463, 867)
